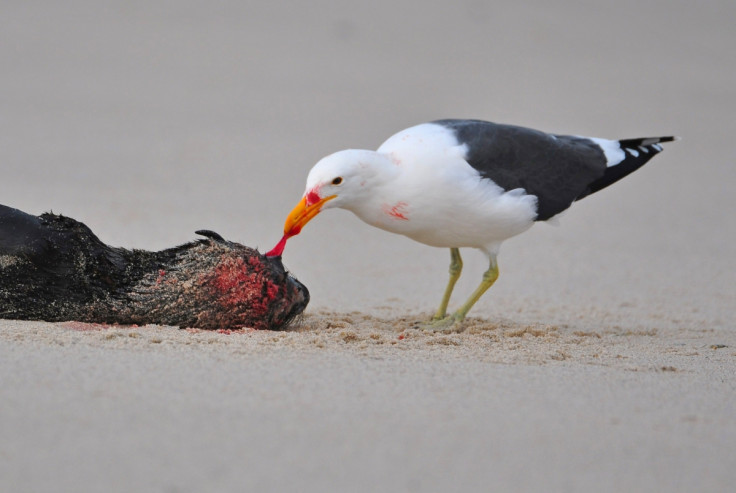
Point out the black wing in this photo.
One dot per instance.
(557, 169)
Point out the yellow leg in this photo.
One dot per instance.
(456, 267)
(489, 277)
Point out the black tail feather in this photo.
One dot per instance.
(638, 152)
(645, 141)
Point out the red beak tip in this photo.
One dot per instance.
(278, 250)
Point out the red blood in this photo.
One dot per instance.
(401, 337)
(239, 285)
(230, 276)
(279, 248)
(313, 196)
(397, 211)
(84, 326)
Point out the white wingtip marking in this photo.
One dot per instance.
(611, 150)
(632, 152)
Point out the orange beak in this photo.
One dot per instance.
(302, 214)
(295, 221)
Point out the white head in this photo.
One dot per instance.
(343, 179)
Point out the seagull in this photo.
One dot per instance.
(465, 184)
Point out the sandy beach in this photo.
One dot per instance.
(604, 358)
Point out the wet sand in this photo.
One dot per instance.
(603, 358)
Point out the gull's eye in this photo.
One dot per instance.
(337, 180)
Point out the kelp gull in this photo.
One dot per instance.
(466, 183)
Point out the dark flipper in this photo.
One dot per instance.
(209, 234)
(21, 233)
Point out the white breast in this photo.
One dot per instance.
(438, 199)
